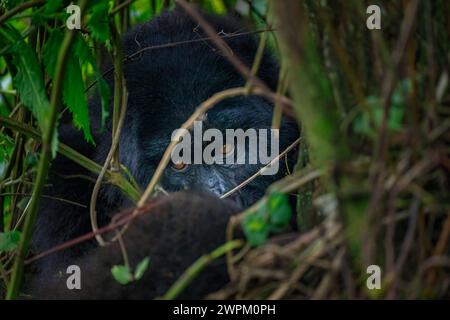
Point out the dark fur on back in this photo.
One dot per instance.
(173, 235)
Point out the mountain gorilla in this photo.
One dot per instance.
(165, 86)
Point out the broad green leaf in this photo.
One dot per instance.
(256, 229)
(75, 98)
(216, 6)
(396, 111)
(280, 211)
(9, 4)
(141, 268)
(273, 216)
(6, 146)
(83, 52)
(9, 240)
(260, 5)
(98, 22)
(28, 80)
(30, 83)
(140, 11)
(51, 50)
(6, 149)
(122, 274)
(73, 89)
(53, 6)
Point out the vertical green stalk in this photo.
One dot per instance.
(316, 108)
(310, 87)
(119, 88)
(44, 162)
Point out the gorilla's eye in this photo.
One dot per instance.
(179, 166)
(227, 149)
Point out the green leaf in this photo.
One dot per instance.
(280, 211)
(122, 274)
(141, 268)
(83, 52)
(396, 111)
(73, 89)
(256, 229)
(28, 80)
(75, 98)
(9, 241)
(273, 216)
(30, 83)
(6, 146)
(51, 50)
(98, 22)
(9, 4)
(53, 6)
(216, 6)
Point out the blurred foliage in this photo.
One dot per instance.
(272, 216)
(374, 107)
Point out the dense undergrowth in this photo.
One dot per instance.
(372, 178)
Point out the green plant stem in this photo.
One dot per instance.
(44, 162)
(315, 106)
(119, 89)
(24, 6)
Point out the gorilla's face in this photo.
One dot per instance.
(167, 85)
(234, 160)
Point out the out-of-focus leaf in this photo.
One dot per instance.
(9, 4)
(84, 54)
(256, 229)
(51, 50)
(6, 148)
(74, 96)
(122, 274)
(216, 6)
(9, 240)
(139, 11)
(98, 22)
(81, 49)
(141, 268)
(280, 211)
(272, 216)
(29, 80)
(31, 159)
(396, 112)
(53, 6)
(73, 89)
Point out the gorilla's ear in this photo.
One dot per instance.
(174, 232)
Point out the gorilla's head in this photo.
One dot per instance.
(166, 82)
(165, 87)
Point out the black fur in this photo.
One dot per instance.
(165, 86)
(173, 235)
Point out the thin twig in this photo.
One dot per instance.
(261, 171)
(98, 183)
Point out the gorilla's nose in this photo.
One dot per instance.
(212, 183)
(216, 186)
